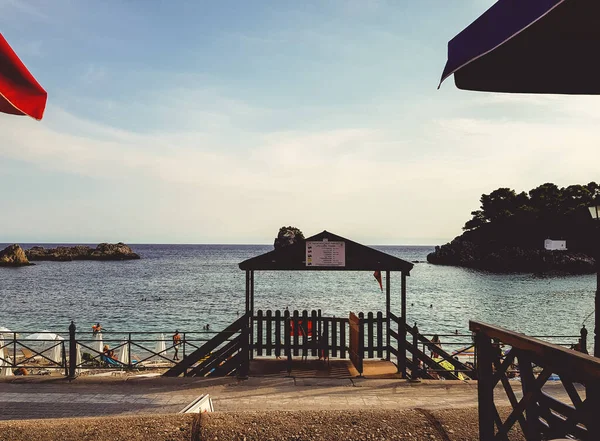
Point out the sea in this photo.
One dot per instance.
(187, 287)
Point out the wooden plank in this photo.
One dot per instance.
(370, 337)
(269, 333)
(295, 337)
(343, 341)
(228, 367)
(278, 333)
(315, 332)
(303, 328)
(394, 318)
(402, 329)
(334, 338)
(251, 315)
(258, 344)
(561, 360)
(356, 346)
(485, 387)
(388, 310)
(380, 320)
(325, 343)
(529, 397)
(286, 334)
(216, 358)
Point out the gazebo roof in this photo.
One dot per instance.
(357, 258)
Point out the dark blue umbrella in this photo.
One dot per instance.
(529, 46)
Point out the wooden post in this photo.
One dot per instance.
(485, 386)
(129, 364)
(245, 364)
(251, 315)
(72, 352)
(415, 359)
(402, 333)
(387, 313)
(247, 291)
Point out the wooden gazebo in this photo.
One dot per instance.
(329, 252)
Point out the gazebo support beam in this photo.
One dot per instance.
(387, 313)
(251, 315)
(402, 348)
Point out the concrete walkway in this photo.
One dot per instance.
(30, 397)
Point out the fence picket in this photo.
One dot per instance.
(259, 333)
(380, 321)
(370, 334)
(278, 333)
(334, 337)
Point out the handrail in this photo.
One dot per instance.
(437, 349)
(563, 361)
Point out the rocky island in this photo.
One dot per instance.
(104, 251)
(508, 233)
(14, 255)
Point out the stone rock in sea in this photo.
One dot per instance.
(13, 255)
(288, 236)
(108, 251)
(104, 251)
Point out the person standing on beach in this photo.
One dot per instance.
(176, 343)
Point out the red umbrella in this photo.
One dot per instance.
(20, 93)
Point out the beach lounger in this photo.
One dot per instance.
(30, 356)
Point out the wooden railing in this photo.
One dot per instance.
(539, 415)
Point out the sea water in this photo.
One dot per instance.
(186, 287)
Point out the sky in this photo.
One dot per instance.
(219, 122)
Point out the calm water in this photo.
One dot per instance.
(188, 286)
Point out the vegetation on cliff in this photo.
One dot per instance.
(507, 233)
(288, 236)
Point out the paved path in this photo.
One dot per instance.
(29, 398)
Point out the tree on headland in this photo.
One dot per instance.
(508, 232)
(526, 219)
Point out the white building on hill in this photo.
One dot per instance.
(550, 244)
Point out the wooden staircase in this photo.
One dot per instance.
(227, 353)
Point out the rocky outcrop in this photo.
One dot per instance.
(104, 251)
(468, 254)
(288, 236)
(13, 255)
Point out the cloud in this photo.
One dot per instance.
(377, 182)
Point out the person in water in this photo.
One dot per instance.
(96, 328)
(176, 343)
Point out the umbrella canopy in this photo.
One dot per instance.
(43, 335)
(20, 93)
(161, 346)
(5, 332)
(532, 46)
(5, 367)
(97, 343)
(78, 359)
(124, 353)
(56, 351)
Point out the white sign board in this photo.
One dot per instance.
(326, 254)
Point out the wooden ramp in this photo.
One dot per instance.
(336, 368)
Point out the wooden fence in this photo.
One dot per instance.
(539, 415)
(300, 332)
